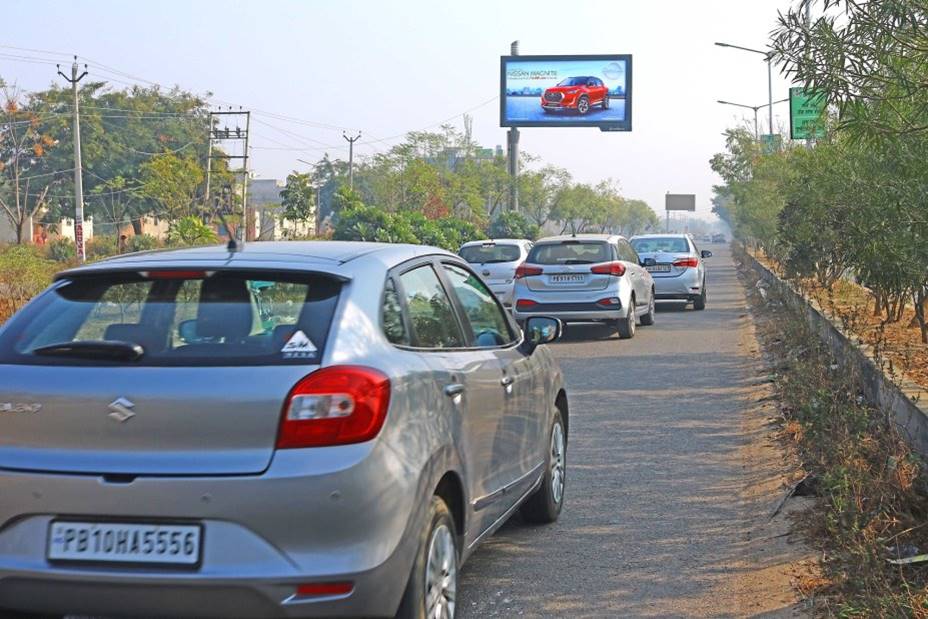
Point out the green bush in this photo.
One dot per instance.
(142, 242)
(513, 225)
(61, 250)
(369, 223)
(24, 273)
(102, 246)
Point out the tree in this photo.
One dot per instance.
(513, 225)
(540, 192)
(173, 182)
(298, 197)
(24, 178)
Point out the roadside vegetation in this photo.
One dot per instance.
(844, 219)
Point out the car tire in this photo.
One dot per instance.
(545, 504)
(699, 303)
(438, 548)
(583, 105)
(626, 326)
(606, 102)
(648, 319)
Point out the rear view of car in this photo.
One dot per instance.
(676, 266)
(496, 261)
(585, 278)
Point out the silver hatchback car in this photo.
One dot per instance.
(289, 430)
(497, 260)
(676, 266)
(585, 278)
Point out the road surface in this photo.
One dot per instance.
(655, 522)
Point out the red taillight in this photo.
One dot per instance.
(686, 262)
(609, 302)
(525, 303)
(525, 270)
(337, 405)
(615, 269)
(320, 589)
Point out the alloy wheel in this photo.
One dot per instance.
(583, 106)
(557, 463)
(441, 575)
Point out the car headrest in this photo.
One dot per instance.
(225, 309)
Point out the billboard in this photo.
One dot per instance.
(566, 91)
(680, 202)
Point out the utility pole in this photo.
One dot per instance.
(351, 142)
(221, 135)
(78, 183)
(512, 144)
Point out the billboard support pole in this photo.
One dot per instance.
(512, 142)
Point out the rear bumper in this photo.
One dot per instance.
(503, 292)
(684, 286)
(310, 518)
(572, 312)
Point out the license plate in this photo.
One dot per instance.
(121, 542)
(659, 268)
(568, 279)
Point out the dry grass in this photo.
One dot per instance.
(872, 487)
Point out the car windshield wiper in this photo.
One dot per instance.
(578, 261)
(495, 261)
(123, 351)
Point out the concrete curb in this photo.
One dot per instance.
(904, 399)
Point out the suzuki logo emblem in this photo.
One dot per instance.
(121, 410)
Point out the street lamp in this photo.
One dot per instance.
(768, 55)
(754, 108)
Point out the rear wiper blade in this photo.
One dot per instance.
(578, 262)
(124, 351)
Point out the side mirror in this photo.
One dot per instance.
(648, 262)
(705, 253)
(540, 330)
(187, 330)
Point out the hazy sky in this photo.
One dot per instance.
(388, 67)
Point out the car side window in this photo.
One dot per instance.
(627, 252)
(430, 314)
(486, 317)
(394, 327)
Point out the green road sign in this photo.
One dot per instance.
(806, 109)
(771, 143)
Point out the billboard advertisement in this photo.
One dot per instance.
(566, 91)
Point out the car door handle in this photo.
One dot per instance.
(454, 389)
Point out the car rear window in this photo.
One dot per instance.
(674, 245)
(486, 254)
(571, 252)
(177, 318)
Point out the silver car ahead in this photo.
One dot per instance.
(496, 261)
(585, 278)
(676, 266)
(290, 430)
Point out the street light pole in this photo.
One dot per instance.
(768, 56)
(754, 108)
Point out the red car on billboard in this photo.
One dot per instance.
(576, 93)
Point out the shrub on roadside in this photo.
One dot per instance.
(142, 242)
(24, 273)
(513, 225)
(102, 246)
(61, 250)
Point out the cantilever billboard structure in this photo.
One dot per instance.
(566, 91)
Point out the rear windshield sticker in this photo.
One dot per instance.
(299, 346)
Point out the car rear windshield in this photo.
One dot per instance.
(175, 318)
(483, 254)
(673, 245)
(571, 252)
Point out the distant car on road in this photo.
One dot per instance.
(288, 430)
(496, 261)
(719, 238)
(676, 266)
(578, 94)
(585, 278)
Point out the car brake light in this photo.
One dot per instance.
(525, 303)
(615, 269)
(336, 405)
(609, 301)
(320, 589)
(525, 270)
(686, 262)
